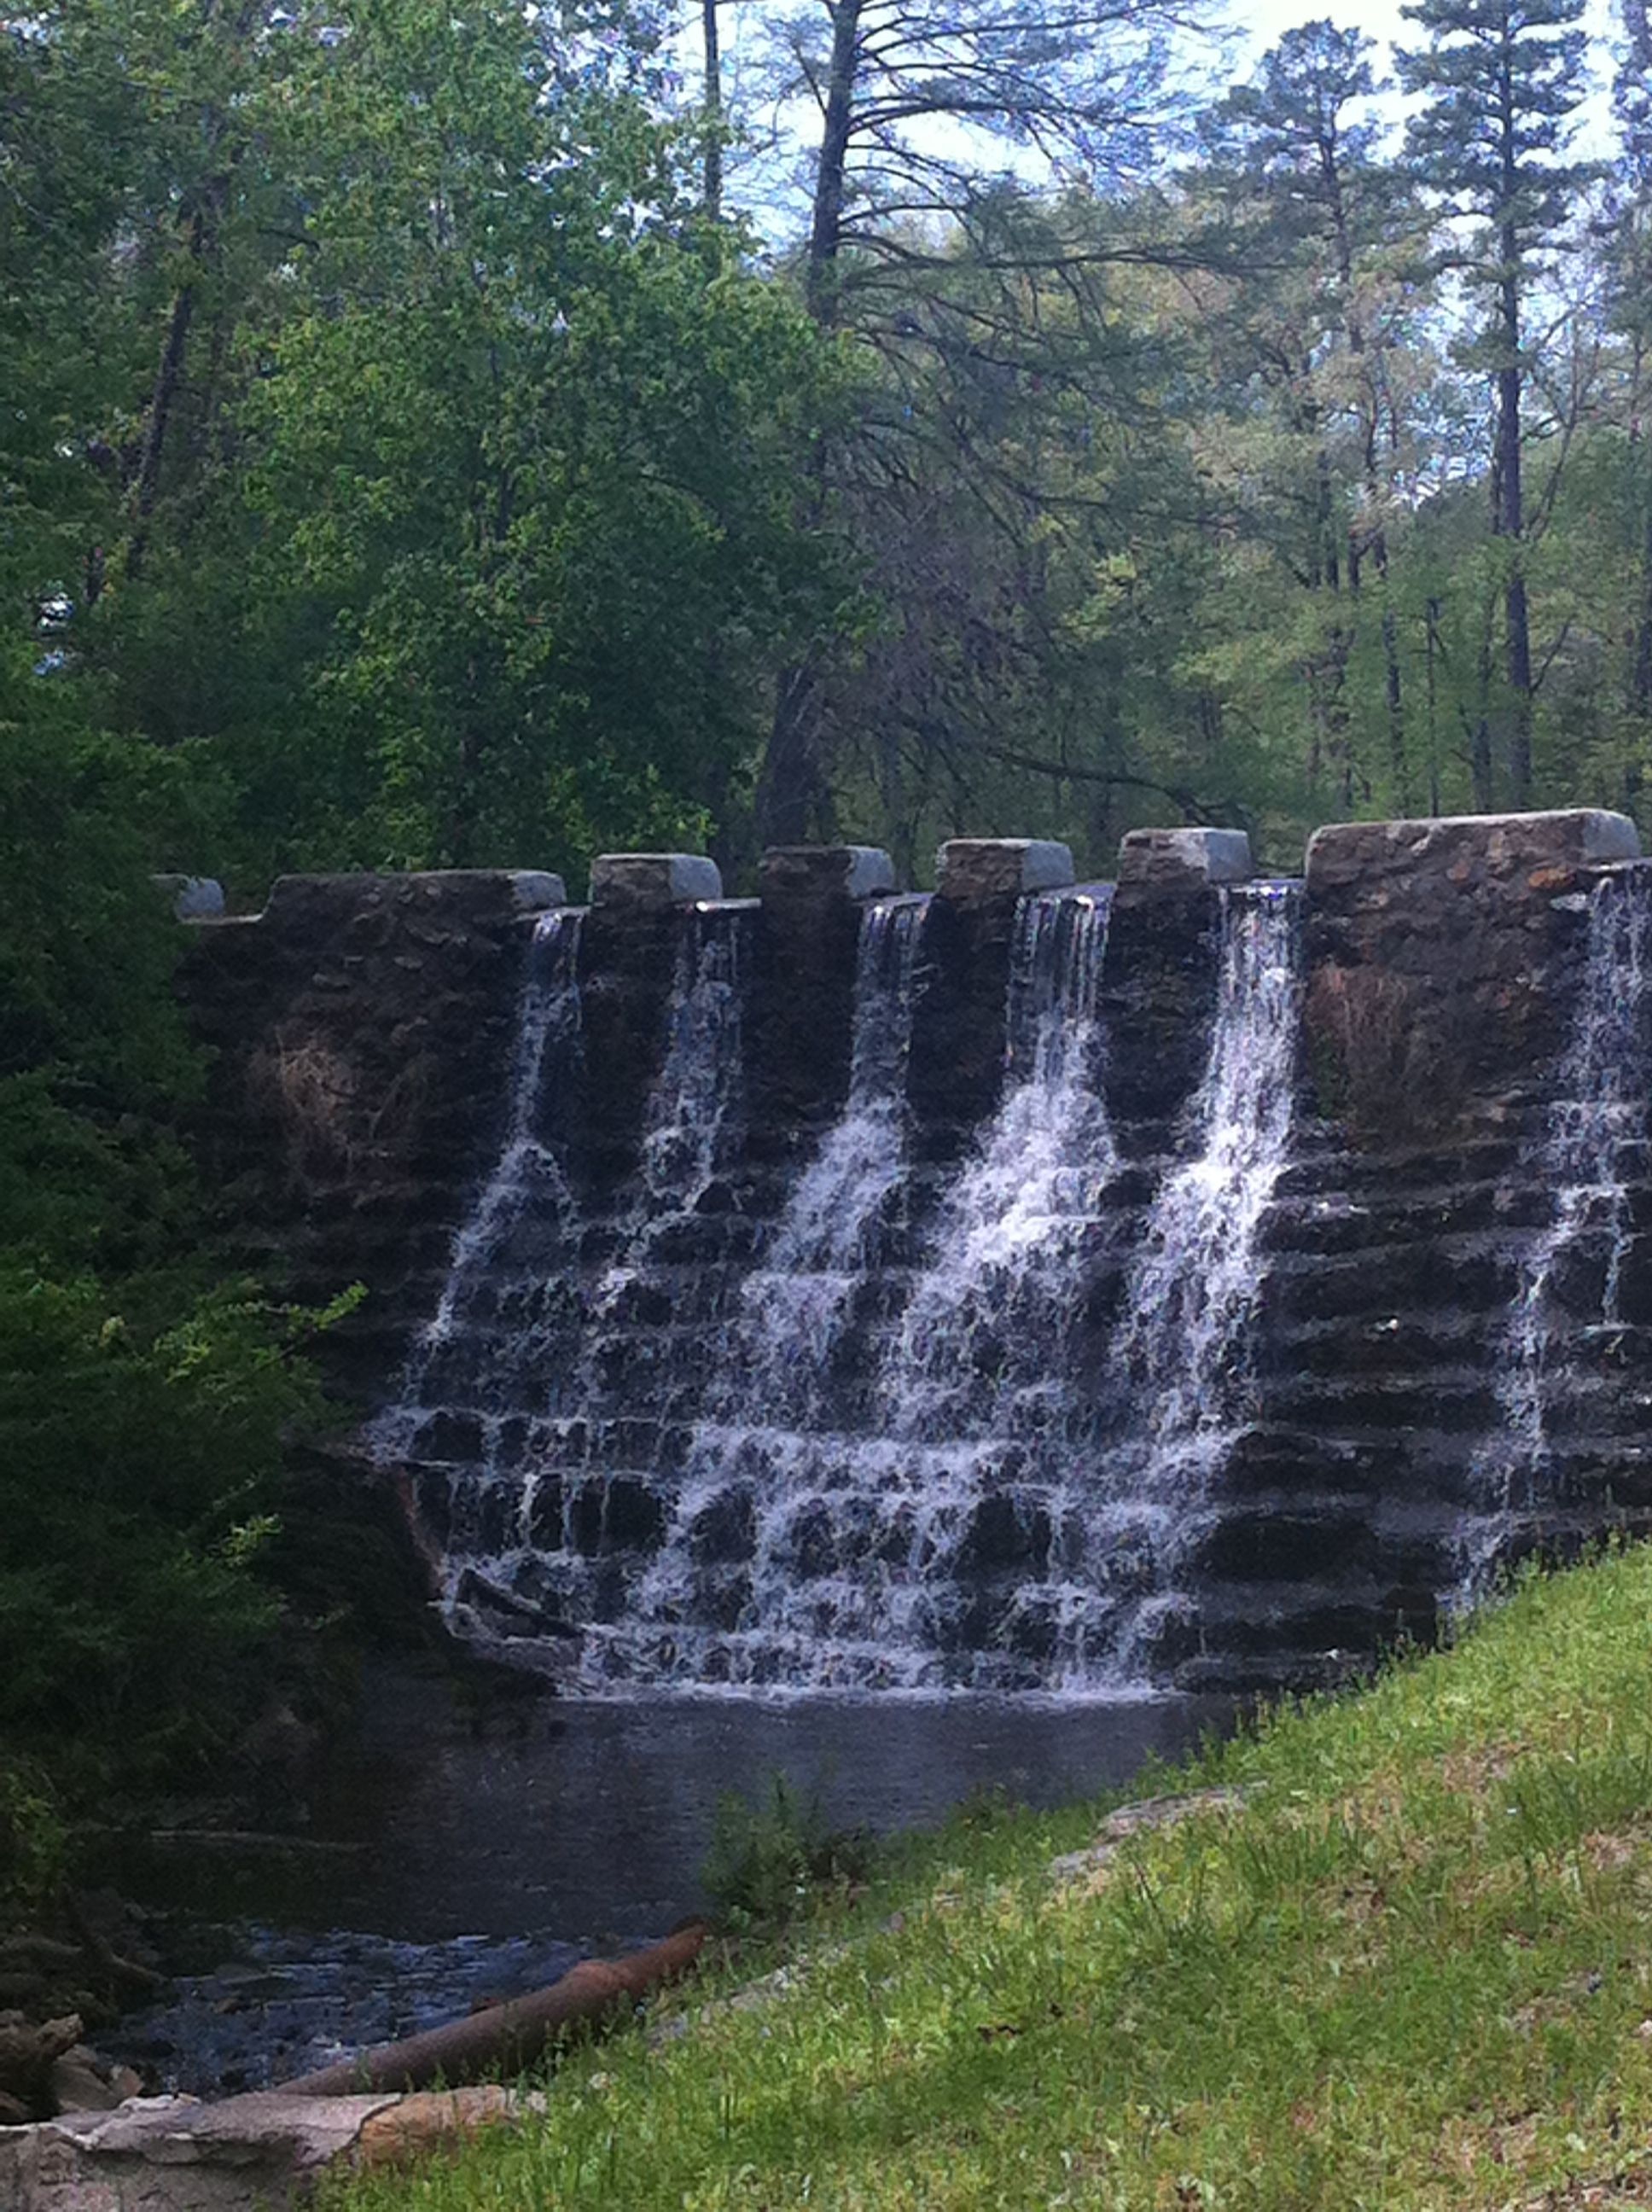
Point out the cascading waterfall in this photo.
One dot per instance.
(996, 1305)
(516, 1409)
(1569, 1294)
(986, 1378)
(694, 1108)
(500, 1305)
(1196, 1279)
(692, 1123)
(794, 1304)
(889, 1550)
(587, 1488)
(681, 1452)
(753, 1465)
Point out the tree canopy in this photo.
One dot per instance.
(418, 450)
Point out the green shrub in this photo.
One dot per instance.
(140, 1472)
(768, 1860)
(32, 1838)
(145, 1406)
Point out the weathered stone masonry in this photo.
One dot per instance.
(362, 1027)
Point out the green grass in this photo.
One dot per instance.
(1415, 1970)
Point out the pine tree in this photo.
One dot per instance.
(931, 114)
(1502, 78)
(1320, 217)
(1628, 271)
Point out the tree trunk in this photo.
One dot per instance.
(1480, 764)
(793, 803)
(1393, 685)
(1399, 770)
(1326, 675)
(162, 399)
(507, 2038)
(1640, 666)
(1326, 552)
(1509, 521)
(714, 89)
(1432, 620)
(826, 227)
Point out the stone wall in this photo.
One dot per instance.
(360, 1029)
(1438, 959)
(1444, 969)
(363, 1027)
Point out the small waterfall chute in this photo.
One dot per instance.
(697, 1102)
(1193, 1289)
(694, 1122)
(997, 1301)
(794, 1302)
(1569, 1294)
(488, 1328)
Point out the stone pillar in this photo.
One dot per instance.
(1159, 979)
(803, 1004)
(958, 1024)
(1444, 960)
(628, 957)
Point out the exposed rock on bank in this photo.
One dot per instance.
(176, 2155)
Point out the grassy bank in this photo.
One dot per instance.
(1415, 1970)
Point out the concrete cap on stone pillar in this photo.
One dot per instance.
(1467, 845)
(649, 882)
(855, 871)
(193, 898)
(1185, 859)
(968, 869)
(534, 889)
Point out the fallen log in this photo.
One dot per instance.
(507, 2038)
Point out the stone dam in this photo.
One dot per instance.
(1190, 1280)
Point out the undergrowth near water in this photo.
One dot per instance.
(769, 1861)
(1414, 1971)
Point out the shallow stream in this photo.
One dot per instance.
(456, 1852)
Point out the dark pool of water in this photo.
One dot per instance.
(458, 1851)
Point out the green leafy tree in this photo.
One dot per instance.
(143, 1412)
(140, 1466)
(493, 548)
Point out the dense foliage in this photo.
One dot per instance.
(143, 1409)
(441, 437)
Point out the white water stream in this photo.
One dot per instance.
(1196, 1277)
(1568, 1297)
